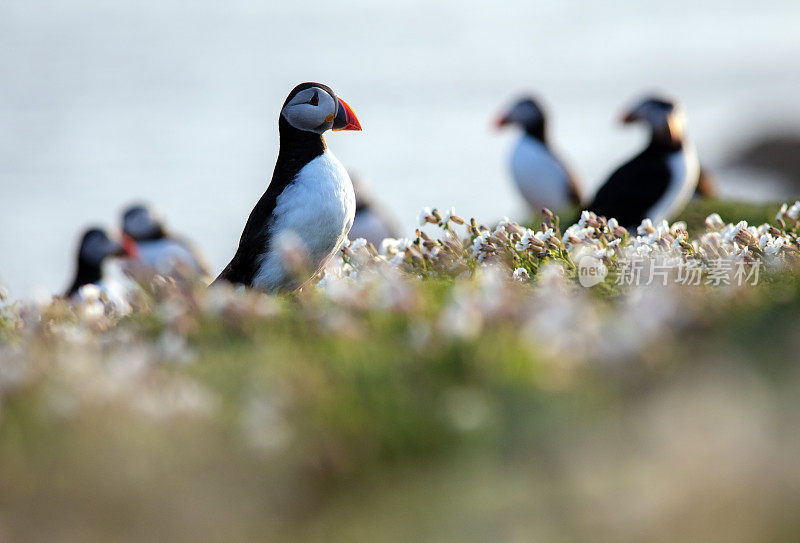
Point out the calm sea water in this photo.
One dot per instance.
(177, 102)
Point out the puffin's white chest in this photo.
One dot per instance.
(539, 175)
(163, 254)
(684, 170)
(318, 208)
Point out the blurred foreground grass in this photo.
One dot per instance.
(438, 410)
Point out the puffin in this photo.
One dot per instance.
(95, 248)
(146, 237)
(372, 222)
(659, 181)
(309, 205)
(540, 175)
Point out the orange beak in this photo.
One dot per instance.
(628, 117)
(500, 122)
(130, 246)
(345, 118)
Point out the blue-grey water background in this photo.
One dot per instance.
(176, 102)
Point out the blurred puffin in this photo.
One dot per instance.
(658, 182)
(309, 202)
(539, 174)
(94, 249)
(145, 237)
(371, 222)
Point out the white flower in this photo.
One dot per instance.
(646, 227)
(773, 245)
(585, 215)
(391, 246)
(743, 252)
(614, 243)
(447, 214)
(544, 236)
(612, 224)
(357, 244)
(570, 232)
(677, 226)
(422, 217)
(730, 231)
(89, 293)
(677, 243)
(781, 212)
(794, 211)
(522, 244)
(397, 259)
(764, 241)
(600, 253)
(477, 245)
(521, 274)
(714, 222)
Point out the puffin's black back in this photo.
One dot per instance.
(297, 148)
(634, 187)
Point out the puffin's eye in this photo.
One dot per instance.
(314, 99)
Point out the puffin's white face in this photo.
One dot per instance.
(311, 110)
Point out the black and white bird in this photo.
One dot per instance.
(146, 237)
(372, 221)
(309, 202)
(658, 182)
(94, 250)
(539, 174)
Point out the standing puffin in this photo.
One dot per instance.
(145, 235)
(95, 248)
(658, 182)
(539, 174)
(309, 200)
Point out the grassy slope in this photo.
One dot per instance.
(382, 438)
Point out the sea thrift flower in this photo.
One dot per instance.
(521, 274)
(714, 222)
(448, 215)
(425, 217)
(794, 211)
(358, 243)
(646, 227)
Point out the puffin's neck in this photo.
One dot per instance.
(86, 274)
(157, 234)
(662, 143)
(297, 147)
(536, 130)
(361, 205)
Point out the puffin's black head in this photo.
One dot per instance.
(313, 107)
(664, 116)
(528, 114)
(96, 246)
(140, 223)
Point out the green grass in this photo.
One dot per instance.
(731, 211)
(394, 415)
